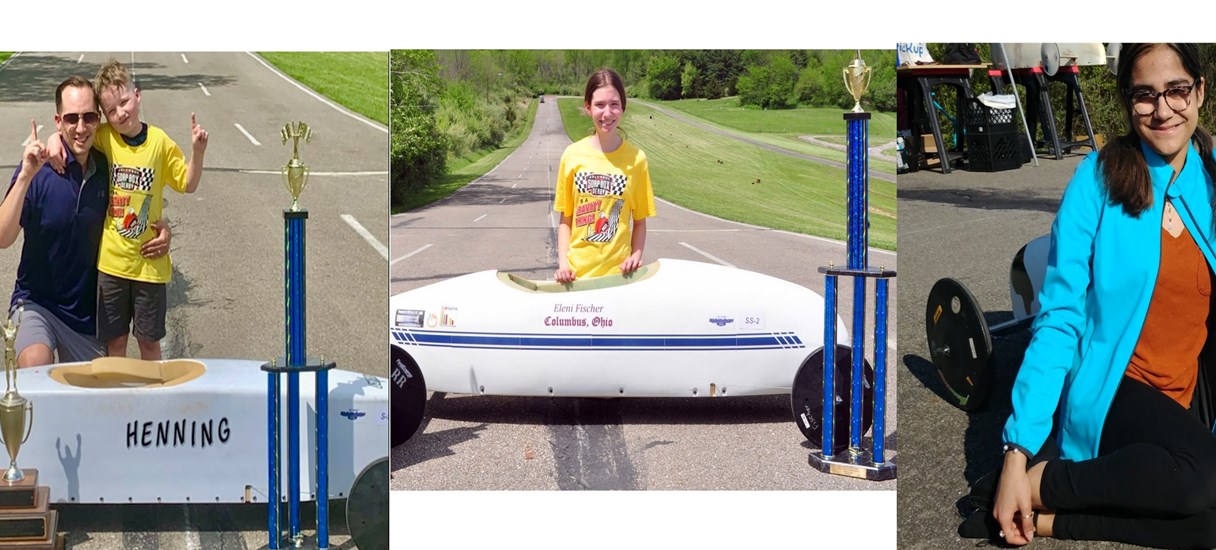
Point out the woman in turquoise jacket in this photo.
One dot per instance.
(1128, 460)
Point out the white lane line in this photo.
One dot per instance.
(479, 218)
(502, 200)
(251, 138)
(205, 92)
(312, 174)
(5, 63)
(184, 60)
(706, 254)
(27, 138)
(410, 254)
(79, 59)
(336, 107)
(367, 236)
(513, 185)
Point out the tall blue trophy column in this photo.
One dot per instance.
(856, 461)
(292, 364)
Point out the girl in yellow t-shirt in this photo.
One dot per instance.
(603, 191)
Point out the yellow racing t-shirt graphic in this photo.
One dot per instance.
(138, 178)
(137, 182)
(603, 193)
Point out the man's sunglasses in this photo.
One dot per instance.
(90, 118)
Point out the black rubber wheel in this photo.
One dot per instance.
(408, 395)
(959, 343)
(367, 507)
(807, 398)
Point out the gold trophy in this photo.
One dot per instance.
(295, 174)
(856, 80)
(13, 407)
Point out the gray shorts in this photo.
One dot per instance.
(119, 301)
(40, 326)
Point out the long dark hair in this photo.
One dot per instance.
(1123, 166)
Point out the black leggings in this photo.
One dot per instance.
(1153, 483)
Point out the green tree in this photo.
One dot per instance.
(688, 80)
(664, 77)
(882, 88)
(720, 70)
(417, 149)
(813, 87)
(770, 86)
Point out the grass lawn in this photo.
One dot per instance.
(463, 171)
(784, 127)
(355, 80)
(803, 120)
(5, 55)
(716, 175)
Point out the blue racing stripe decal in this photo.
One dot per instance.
(690, 342)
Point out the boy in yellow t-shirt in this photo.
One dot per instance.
(143, 159)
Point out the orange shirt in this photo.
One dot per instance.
(1167, 355)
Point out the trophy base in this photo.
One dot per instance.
(859, 465)
(19, 494)
(34, 524)
(53, 542)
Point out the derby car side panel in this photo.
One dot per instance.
(201, 441)
(688, 329)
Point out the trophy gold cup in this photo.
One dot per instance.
(26, 521)
(294, 362)
(856, 80)
(295, 173)
(14, 428)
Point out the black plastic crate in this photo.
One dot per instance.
(994, 152)
(982, 119)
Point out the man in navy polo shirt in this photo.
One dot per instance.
(62, 215)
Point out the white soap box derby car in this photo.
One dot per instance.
(673, 328)
(118, 430)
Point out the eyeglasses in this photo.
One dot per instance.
(90, 118)
(1178, 98)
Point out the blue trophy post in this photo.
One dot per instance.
(294, 362)
(854, 461)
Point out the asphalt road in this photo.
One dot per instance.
(967, 226)
(226, 298)
(505, 221)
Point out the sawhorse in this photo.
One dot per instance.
(1038, 101)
